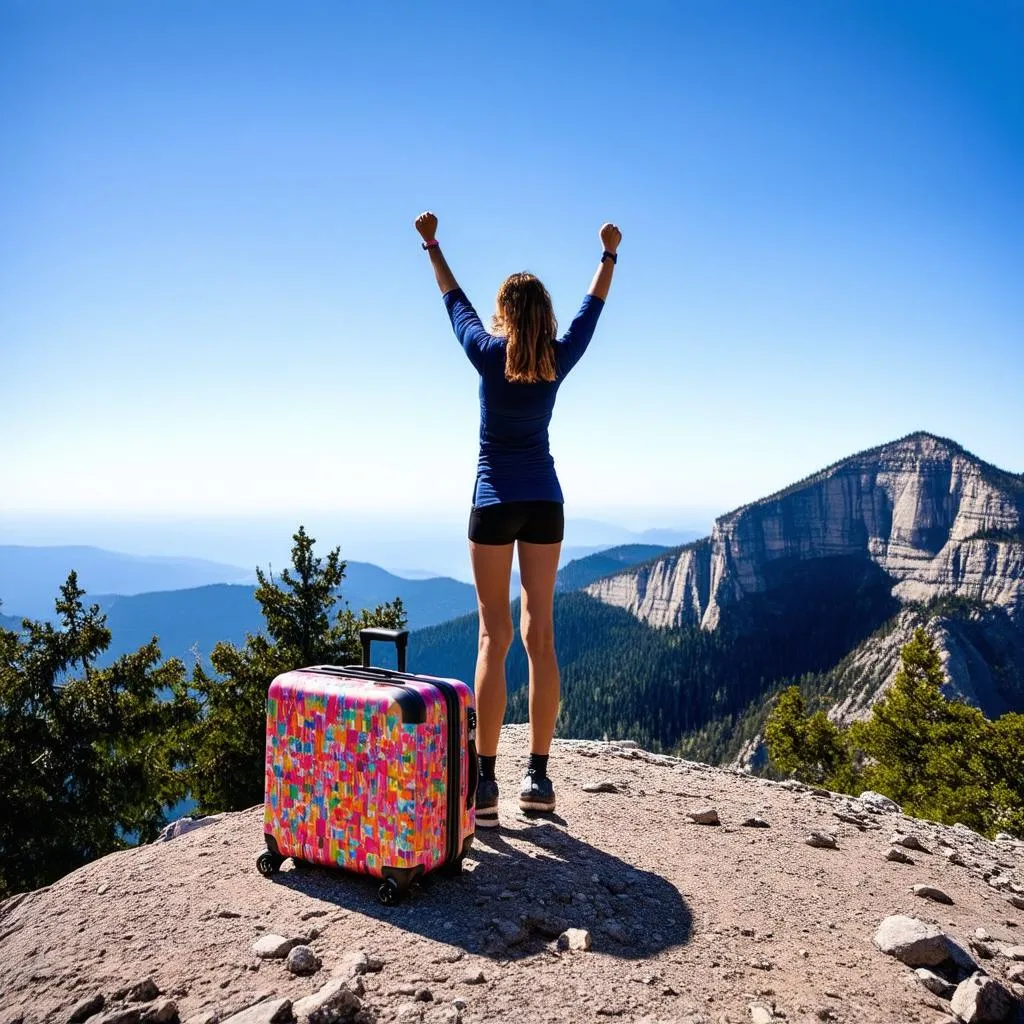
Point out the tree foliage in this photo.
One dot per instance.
(88, 757)
(939, 759)
(227, 743)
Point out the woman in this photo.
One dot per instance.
(517, 498)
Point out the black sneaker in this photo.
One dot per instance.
(487, 803)
(537, 794)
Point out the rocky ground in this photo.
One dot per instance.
(618, 907)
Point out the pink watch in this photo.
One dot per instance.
(432, 244)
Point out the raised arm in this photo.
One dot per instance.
(426, 225)
(574, 342)
(611, 236)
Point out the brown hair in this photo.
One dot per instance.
(525, 317)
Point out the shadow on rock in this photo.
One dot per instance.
(523, 886)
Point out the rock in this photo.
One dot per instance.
(600, 786)
(1016, 974)
(86, 1008)
(929, 892)
(409, 1012)
(822, 840)
(909, 842)
(982, 999)
(980, 933)
(274, 947)
(545, 924)
(474, 978)
(120, 1015)
(306, 915)
(332, 1002)
(359, 963)
(704, 816)
(424, 995)
(143, 991)
(574, 938)
(186, 824)
(1013, 952)
(954, 858)
(878, 803)
(935, 983)
(206, 1017)
(913, 942)
(760, 1014)
(897, 855)
(1016, 901)
(983, 949)
(163, 1012)
(616, 930)
(510, 932)
(755, 823)
(302, 960)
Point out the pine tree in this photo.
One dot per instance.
(86, 760)
(227, 744)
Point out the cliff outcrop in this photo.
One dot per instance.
(935, 519)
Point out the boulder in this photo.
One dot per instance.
(981, 1000)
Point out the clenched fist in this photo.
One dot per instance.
(610, 236)
(426, 225)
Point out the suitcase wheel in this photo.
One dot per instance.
(389, 892)
(267, 864)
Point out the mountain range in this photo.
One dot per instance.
(191, 620)
(813, 584)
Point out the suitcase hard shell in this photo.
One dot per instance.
(369, 770)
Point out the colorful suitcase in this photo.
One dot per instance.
(370, 770)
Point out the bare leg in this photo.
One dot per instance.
(538, 566)
(492, 570)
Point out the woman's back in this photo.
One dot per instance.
(515, 462)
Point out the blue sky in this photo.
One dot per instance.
(213, 302)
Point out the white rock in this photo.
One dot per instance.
(916, 943)
(331, 1001)
(163, 1012)
(186, 824)
(1013, 952)
(822, 840)
(274, 947)
(271, 1011)
(760, 1014)
(574, 938)
(879, 803)
(934, 982)
(981, 999)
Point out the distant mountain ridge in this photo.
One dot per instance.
(30, 576)
(190, 621)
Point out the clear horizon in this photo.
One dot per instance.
(213, 302)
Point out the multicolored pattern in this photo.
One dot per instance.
(348, 784)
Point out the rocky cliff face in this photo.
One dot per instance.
(937, 520)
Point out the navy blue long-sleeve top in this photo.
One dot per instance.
(515, 462)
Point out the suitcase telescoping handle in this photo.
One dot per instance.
(398, 637)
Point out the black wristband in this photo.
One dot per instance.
(613, 256)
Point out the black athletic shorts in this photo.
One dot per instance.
(535, 522)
